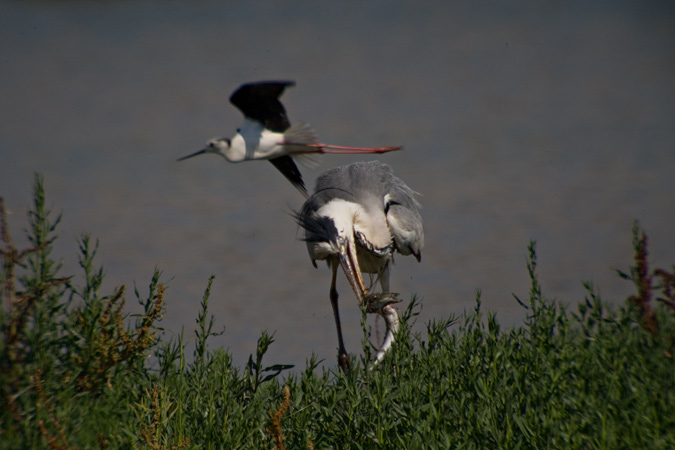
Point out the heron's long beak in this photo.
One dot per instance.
(350, 265)
(200, 152)
(378, 303)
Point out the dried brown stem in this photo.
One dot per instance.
(644, 283)
(276, 431)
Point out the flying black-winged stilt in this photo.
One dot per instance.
(357, 217)
(267, 133)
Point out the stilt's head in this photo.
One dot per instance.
(218, 146)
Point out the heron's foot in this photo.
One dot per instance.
(376, 302)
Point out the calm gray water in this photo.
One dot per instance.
(552, 122)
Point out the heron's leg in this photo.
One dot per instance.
(384, 279)
(343, 357)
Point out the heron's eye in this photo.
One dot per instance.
(211, 145)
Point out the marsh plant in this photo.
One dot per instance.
(75, 374)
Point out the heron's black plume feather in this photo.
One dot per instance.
(317, 229)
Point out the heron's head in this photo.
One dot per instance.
(322, 236)
(218, 146)
(330, 238)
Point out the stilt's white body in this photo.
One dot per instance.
(253, 141)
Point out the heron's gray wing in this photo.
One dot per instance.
(260, 101)
(406, 229)
(403, 217)
(353, 182)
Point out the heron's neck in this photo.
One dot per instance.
(343, 213)
(351, 218)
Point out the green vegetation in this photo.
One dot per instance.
(74, 373)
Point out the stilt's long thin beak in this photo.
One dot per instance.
(193, 154)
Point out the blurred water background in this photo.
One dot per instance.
(550, 121)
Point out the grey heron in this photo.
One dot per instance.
(267, 133)
(357, 217)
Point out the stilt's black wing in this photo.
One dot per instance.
(287, 167)
(260, 101)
